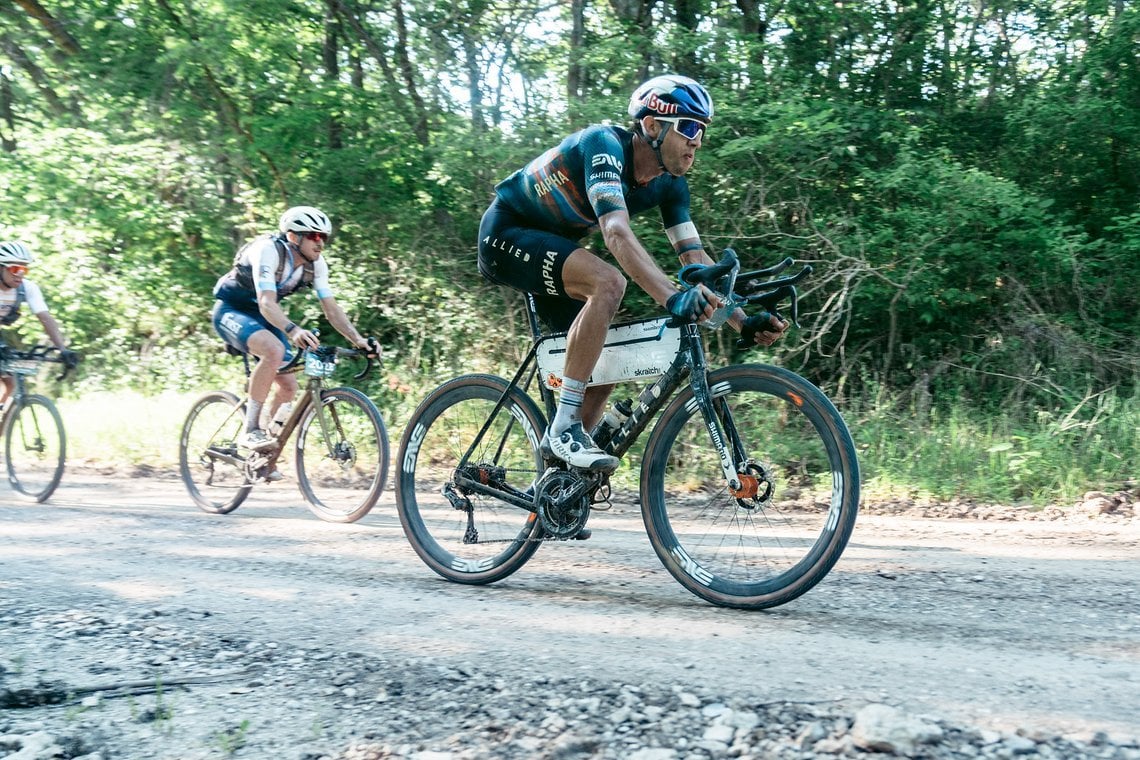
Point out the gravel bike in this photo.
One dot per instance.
(35, 444)
(749, 482)
(341, 450)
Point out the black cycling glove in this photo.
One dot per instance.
(757, 323)
(373, 350)
(69, 358)
(687, 305)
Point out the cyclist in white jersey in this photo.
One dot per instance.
(15, 292)
(248, 315)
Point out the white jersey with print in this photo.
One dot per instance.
(33, 297)
(263, 261)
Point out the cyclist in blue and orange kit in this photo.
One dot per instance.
(596, 179)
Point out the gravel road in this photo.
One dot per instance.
(159, 631)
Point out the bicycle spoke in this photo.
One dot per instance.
(461, 533)
(342, 456)
(209, 460)
(35, 447)
(783, 529)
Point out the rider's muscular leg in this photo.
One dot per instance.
(7, 385)
(601, 286)
(270, 352)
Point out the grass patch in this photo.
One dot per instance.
(1050, 458)
(123, 428)
(1046, 457)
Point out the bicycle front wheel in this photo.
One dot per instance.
(464, 535)
(765, 548)
(208, 458)
(342, 455)
(35, 447)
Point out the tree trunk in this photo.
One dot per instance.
(332, 72)
(58, 32)
(574, 69)
(420, 125)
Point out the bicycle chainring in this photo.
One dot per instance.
(562, 503)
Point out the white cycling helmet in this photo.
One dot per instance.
(305, 219)
(15, 252)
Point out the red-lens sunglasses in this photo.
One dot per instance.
(322, 236)
(17, 268)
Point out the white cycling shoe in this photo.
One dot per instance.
(257, 440)
(575, 447)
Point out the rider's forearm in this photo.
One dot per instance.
(340, 321)
(639, 265)
(272, 311)
(51, 327)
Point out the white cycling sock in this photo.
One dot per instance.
(253, 415)
(569, 405)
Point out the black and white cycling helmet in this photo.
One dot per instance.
(305, 219)
(672, 95)
(15, 252)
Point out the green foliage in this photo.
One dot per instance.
(970, 207)
(1049, 459)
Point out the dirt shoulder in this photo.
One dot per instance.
(268, 633)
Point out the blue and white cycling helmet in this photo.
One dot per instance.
(305, 219)
(14, 252)
(671, 95)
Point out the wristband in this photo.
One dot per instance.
(290, 327)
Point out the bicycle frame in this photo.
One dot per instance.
(309, 395)
(690, 361)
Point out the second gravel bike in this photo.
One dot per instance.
(340, 451)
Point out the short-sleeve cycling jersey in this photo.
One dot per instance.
(263, 260)
(588, 175)
(12, 298)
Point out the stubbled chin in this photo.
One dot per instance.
(683, 165)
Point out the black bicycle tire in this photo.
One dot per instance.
(11, 417)
(819, 561)
(202, 501)
(312, 500)
(487, 388)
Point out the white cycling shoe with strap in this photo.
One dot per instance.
(575, 447)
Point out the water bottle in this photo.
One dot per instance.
(278, 420)
(611, 422)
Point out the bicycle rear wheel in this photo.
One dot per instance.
(763, 550)
(342, 455)
(465, 536)
(212, 468)
(35, 447)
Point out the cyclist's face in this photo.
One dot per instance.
(14, 275)
(678, 151)
(311, 244)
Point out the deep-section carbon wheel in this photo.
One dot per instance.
(785, 527)
(464, 535)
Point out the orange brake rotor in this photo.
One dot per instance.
(749, 487)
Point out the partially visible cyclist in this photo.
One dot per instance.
(596, 179)
(15, 291)
(248, 315)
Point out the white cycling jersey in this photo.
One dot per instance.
(33, 296)
(264, 260)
